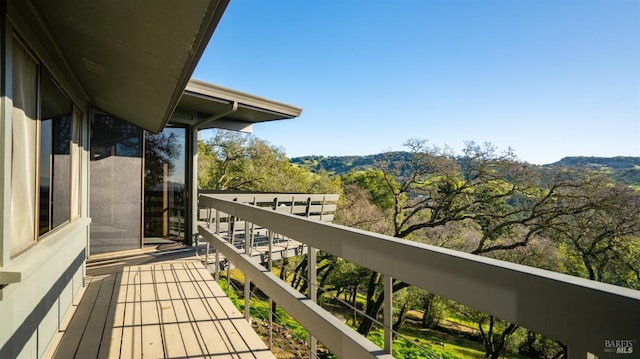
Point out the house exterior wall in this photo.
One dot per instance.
(34, 309)
(51, 269)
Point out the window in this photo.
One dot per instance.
(45, 152)
(56, 130)
(23, 139)
(111, 136)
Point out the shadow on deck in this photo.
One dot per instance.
(160, 304)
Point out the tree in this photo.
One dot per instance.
(346, 278)
(497, 196)
(602, 242)
(507, 200)
(374, 182)
(358, 211)
(494, 341)
(236, 161)
(508, 204)
(494, 332)
(403, 301)
(539, 346)
(433, 308)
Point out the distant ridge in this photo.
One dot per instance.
(622, 169)
(618, 162)
(341, 165)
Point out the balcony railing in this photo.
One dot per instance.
(583, 314)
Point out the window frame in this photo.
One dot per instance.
(72, 130)
(74, 182)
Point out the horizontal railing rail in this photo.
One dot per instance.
(314, 206)
(583, 314)
(342, 340)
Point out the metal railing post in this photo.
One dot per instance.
(206, 254)
(388, 314)
(269, 267)
(231, 222)
(255, 203)
(228, 279)
(209, 217)
(312, 293)
(208, 245)
(308, 209)
(247, 281)
(217, 269)
(322, 208)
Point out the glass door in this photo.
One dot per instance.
(164, 185)
(116, 184)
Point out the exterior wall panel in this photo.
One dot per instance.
(52, 269)
(52, 275)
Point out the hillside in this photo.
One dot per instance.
(621, 169)
(340, 165)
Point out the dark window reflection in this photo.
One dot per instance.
(56, 127)
(164, 183)
(113, 137)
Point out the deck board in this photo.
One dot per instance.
(214, 338)
(224, 308)
(75, 330)
(111, 339)
(98, 317)
(169, 309)
(193, 344)
(174, 342)
(152, 336)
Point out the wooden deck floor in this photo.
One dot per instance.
(168, 309)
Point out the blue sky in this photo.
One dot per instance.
(548, 78)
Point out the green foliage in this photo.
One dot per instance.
(614, 163)
(374, 181)
(596, 241)
(345, 275)
(569, 216)
(341, 165)
(538, 346)
(571, 261)
(424, 345)
(236, 161)
(625, 170)
(260, 309)
(357, 210)
(518, 212)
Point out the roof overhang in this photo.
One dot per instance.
(220, 107)
(133, 58)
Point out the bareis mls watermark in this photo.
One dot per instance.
(619, 346)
